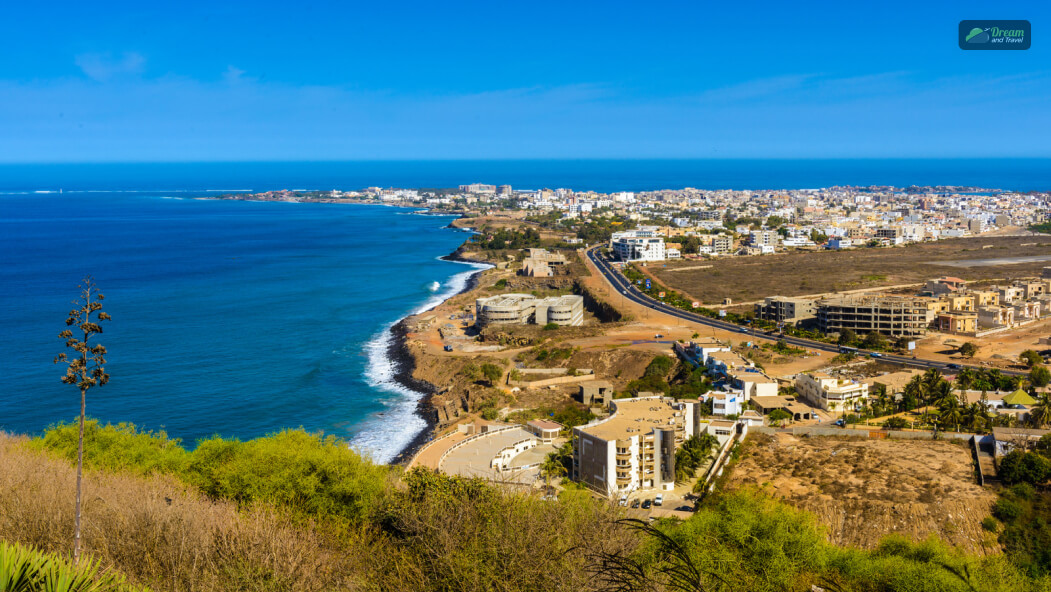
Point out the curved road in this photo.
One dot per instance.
(628, 289)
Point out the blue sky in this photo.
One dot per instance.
(118, 82)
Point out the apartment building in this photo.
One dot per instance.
(634, 448)
(889, 315)
(990, 317)
(783, 309)
(832, 394)
(561, 310)
(628, 248)
(722, 244)
(763, 238)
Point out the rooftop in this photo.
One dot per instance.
(634, 417)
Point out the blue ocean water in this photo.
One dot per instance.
(1017, 174)
(231, 318)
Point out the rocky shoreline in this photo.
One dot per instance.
(405, 366)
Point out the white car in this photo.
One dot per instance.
(659, 500)
(623, 501)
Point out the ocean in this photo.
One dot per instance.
(241, 318)
(229, 317)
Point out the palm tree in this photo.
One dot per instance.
(1040, 414)
(552, 467)
(950, 412)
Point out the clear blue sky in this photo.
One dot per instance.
(121, 81)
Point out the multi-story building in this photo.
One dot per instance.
(638, 248)
(833, 394)
(541, 263)
(995, 316)
(505, 309)
(722, 244)
(892, 316)
(783, 309)
(634, 448)
(763, 238)
(560, 310)
(956, 322)
(478, 188)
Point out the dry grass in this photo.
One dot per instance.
(162, 534)
(746, 279)
(864, 490)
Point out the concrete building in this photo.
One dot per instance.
(505, 309)
(833, 394)
(630, 248)
(541, 263)
(990, 317)
(560, 310)
(634, 448)
(544, 429)
(722, 244)
(782, 309)
(596, 392)
(956, 322)
(891, 316)
(763, 238)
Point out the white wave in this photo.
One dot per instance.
(382, 437)
(433, 286)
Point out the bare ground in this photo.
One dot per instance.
(746, 279)
(864, 490)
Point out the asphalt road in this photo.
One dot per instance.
(629, 291)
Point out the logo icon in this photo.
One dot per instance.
(977, 35)
(995, 35)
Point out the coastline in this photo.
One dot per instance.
(404, 362)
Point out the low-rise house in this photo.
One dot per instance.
(995, 316)
(956, 322)
(1008, 439)
(833, 394)
(544, 429)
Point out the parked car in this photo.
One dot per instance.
(840, 423)
(953, 366)
(658, 336)
(623, 501)
(659, 500)
(635, 504)
(646, 504)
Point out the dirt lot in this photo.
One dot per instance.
(746, 279)
(863, 490)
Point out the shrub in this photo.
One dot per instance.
(989, 523)
(1006, 510)
(1024, 467)
(895, 423)
(500, 284)
(308, 473)
(550, 326)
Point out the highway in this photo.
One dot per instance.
(629, 291)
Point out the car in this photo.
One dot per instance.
(625, 291)
(646, 504)
(635, 504)
(953, 366)
(659, 500)
(448, 348)
(840, 423)
(875, 355)
(623, 501)
(658, 336)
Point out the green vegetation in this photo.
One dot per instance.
(491, 372)
(690, 383)
(553, 354)
(1044, 228)
(779, 416)
(433, 532)
(968, 349)
(503, 238)
(569, 415)
(655, 378)
(1039, 376)
(550, 326)
(1030, 358)
(24, 569)
(692, 455)
(307, 473)
(500, 284)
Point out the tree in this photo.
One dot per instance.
(1030, 358)
(779, 415)
(847, 337)
(875, 340)
(1024, 467)
(968, 349)
(895, 423)
(1039, 376)
(492, 373)
(86, 370)
(1040, 414)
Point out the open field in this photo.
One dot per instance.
(746, 279)
(864, 490)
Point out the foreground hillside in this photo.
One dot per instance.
(296, 512)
